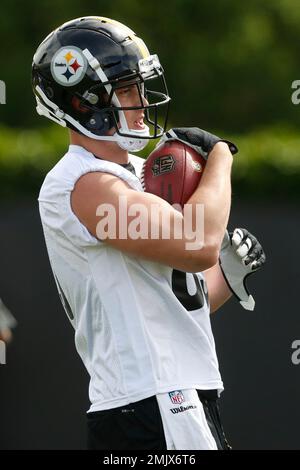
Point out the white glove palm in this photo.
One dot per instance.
(241, 255)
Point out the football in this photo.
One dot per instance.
(173, 171)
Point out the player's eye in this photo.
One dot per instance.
(124, 91)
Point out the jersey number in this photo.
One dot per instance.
(179, 287)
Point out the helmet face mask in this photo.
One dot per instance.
(78, 86)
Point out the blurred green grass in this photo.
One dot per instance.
(267, 165)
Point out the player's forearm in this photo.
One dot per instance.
(218, 290)
(214, 192)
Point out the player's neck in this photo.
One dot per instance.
(100, 148)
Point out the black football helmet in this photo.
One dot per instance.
(77, 69)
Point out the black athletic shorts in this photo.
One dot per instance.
(138, 426)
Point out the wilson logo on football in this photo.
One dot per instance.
(176, 397)
(162, 165)
(68, 66)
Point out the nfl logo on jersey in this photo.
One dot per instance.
(176, 397)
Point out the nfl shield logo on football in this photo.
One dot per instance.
(162, 165)
(176, 397)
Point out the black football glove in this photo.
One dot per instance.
(241, 255)
(200, 140)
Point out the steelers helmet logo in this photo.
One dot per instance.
(68, 66)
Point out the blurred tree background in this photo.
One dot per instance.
(229, 68)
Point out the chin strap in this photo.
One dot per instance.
(132, 144)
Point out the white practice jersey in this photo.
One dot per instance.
(141, 328)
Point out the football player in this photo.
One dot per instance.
(139, 305)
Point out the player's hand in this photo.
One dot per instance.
(201, 141)
(241, 255)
